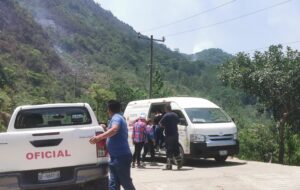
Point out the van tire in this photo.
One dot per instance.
(221, 159)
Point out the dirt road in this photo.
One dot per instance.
(207, 175)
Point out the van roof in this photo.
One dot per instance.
(184, 102)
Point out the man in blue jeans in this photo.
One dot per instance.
(118, 148)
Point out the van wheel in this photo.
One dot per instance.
(221, 159)
(179, 160)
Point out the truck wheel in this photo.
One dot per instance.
(101, 184)
(97, 184)
(221, 159)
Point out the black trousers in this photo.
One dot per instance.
(159, 136)
(148, 147)
(172, 146)
(137, 152)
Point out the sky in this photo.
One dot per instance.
(191, 26)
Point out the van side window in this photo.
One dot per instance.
(181, 117)
(207, 115)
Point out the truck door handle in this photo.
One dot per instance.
(86, 137)
(46, 143)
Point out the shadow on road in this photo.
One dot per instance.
(183, 169)
(210, 163)
(206, 163)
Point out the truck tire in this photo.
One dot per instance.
(221, 159)
(97, 184)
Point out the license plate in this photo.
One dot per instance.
(48, 176)
(223, 152)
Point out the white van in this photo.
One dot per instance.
(205, 130)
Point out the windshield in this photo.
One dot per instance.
(207, 115)
(52, 117)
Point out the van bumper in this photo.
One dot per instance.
(200, 149)
(70, 176)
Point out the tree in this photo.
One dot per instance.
(4, 77)
(257, 142)
(158, 84)
(5, 102)
(124, 92)
(274, 78)
(100, 96)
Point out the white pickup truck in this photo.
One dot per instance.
(48, 146)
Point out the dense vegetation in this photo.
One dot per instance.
(274, 78)
(75, 51)
(30, 71)
(212, 56)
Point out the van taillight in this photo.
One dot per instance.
(101, 147)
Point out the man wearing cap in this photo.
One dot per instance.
(138, 139)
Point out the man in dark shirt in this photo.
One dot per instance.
(169, 121)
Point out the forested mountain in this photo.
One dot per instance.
(212, 56)
(95, 45)
(92, 40)
(63, 51)
(75, 51)
(30, 70)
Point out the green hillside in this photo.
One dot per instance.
(91, 39)
(64, 51)
(30, 70)
(212, 56)
(96, 45)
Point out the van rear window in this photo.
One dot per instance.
(52, 117)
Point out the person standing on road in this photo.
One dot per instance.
(118, 148)
(169, 122)
(138, 139)
(149, 143)
(158, 131)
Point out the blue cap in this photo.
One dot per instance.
(142, 116)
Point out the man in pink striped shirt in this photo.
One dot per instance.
(138, 138)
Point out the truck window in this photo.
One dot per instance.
(207, 115)
(52, 117)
